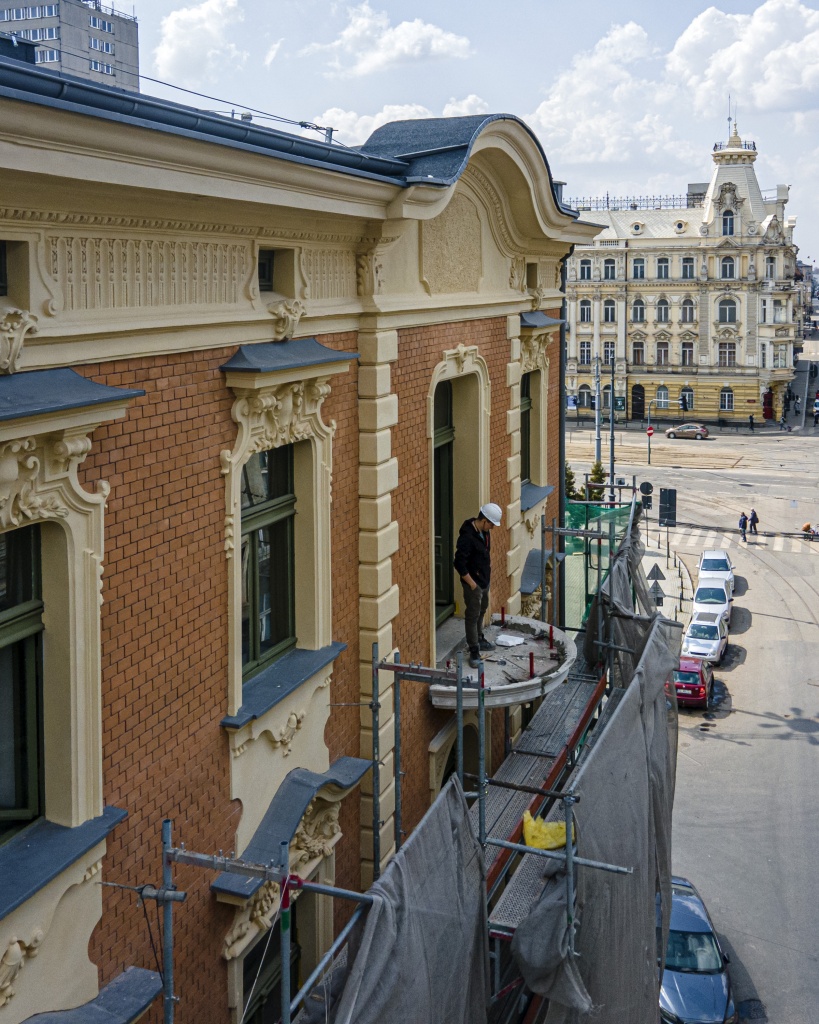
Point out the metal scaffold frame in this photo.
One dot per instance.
(279, 873)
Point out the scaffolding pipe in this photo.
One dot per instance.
(554, 855)
(307, 987)
(460, 712)
(543, 568)
(284, 920)
(374, 705)
(568, 803)
(396, 689)
(481, 758)
(169, 1000)
(555, 593)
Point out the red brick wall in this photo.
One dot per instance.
(164, 661)
(419, 351)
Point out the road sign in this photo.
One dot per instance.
(650, 431)
(656, 573)
(619, 403)
(657, 594)
(646, 487)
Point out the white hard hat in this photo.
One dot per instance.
(492, 512)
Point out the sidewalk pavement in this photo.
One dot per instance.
(677, 588)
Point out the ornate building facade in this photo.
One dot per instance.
(692, 299)
(250, 386)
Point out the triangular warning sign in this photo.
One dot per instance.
(656, 573)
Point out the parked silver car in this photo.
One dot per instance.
(713, 594)
(716, 563)
(706, 637)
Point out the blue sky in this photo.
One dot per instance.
(625, 97)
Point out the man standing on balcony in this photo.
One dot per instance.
(473, 564)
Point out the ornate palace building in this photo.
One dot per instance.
(691, 297)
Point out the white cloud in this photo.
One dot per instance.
(471, 104)
(272, 52)
(352, 129)
(193, 44)
(369, 43)
(767, 60)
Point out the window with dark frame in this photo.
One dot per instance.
(609, 270)
(638, 269)
(526, 427)
(638, 353)
(688, 268)
(663, 268)
(266, 259)
(21, 722)
(688, 355)
(268, 558)
(585, 270)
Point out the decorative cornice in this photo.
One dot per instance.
(14, 326)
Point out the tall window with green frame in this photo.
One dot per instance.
(268, 558)
(526, 428)
(21, 728)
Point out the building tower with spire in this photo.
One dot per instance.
(691, 296)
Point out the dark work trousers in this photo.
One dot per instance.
(476, 603)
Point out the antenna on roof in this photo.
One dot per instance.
(729, 115)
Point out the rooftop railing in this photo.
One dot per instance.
(607, 202)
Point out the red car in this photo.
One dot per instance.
(693, 682)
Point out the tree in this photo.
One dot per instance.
(572, 492)
(597, 476)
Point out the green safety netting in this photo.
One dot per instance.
(582, 555)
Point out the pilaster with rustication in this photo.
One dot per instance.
(378, 594)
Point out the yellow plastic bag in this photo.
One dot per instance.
(544, 835)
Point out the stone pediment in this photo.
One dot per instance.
(638, 335)
(663, 336)
(688, 336)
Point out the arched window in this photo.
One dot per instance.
(727, 311)
(584, 396)
(728, 222)
(727, 353)
(638, 269)
(688, 395)
(585, 270)
(638, 311)
(609, 311)
(662, 353)
(726, 268)
(770, 267)
(585, 311)
(606, 396)
(609, 268)
(662, 268)
(726, 400)
(662, 397)
(687, 311)
(638, 353)
(663, 311)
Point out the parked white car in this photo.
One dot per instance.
(716, 563)
(713, 594)
(706, 637)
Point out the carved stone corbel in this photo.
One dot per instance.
(14, 326)
(13, 961)
(20, 497)
(286, 315)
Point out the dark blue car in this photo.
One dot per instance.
(696, 988)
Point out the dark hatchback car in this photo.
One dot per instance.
(695, 988)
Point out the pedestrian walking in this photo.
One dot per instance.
(782, 422)
(474, 565)
(753, 521)
(751, 422)
(816, 418)
(743, 526)
(796, 407)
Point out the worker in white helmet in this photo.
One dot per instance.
(474, 565)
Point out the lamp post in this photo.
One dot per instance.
(597, 454)
(611, 435)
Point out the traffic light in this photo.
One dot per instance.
(683, 403)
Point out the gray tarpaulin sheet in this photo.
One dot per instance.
(421, 957)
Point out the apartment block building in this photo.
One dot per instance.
(691, 299)
(79, 37)
(246, 402)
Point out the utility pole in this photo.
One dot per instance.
(611, 436)
(597, 455)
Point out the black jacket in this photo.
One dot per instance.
(472, 554)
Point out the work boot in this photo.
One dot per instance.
(485, 645)
(474, 658)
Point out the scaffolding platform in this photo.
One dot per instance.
(524, 887)
(533, 757)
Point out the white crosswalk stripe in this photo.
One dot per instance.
(779, 544)
(796, 546)
(706, 540)
(726, 541)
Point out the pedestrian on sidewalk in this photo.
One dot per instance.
(783, 423)
(816, 418)
(753, 521)
(743, 526)
(796, 407)
(751, 422)
(474, 565)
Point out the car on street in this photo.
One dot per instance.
(694, 682)
(713, 594)
(706, 637)
(716, 563)
(695, 988)
(696, 430)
